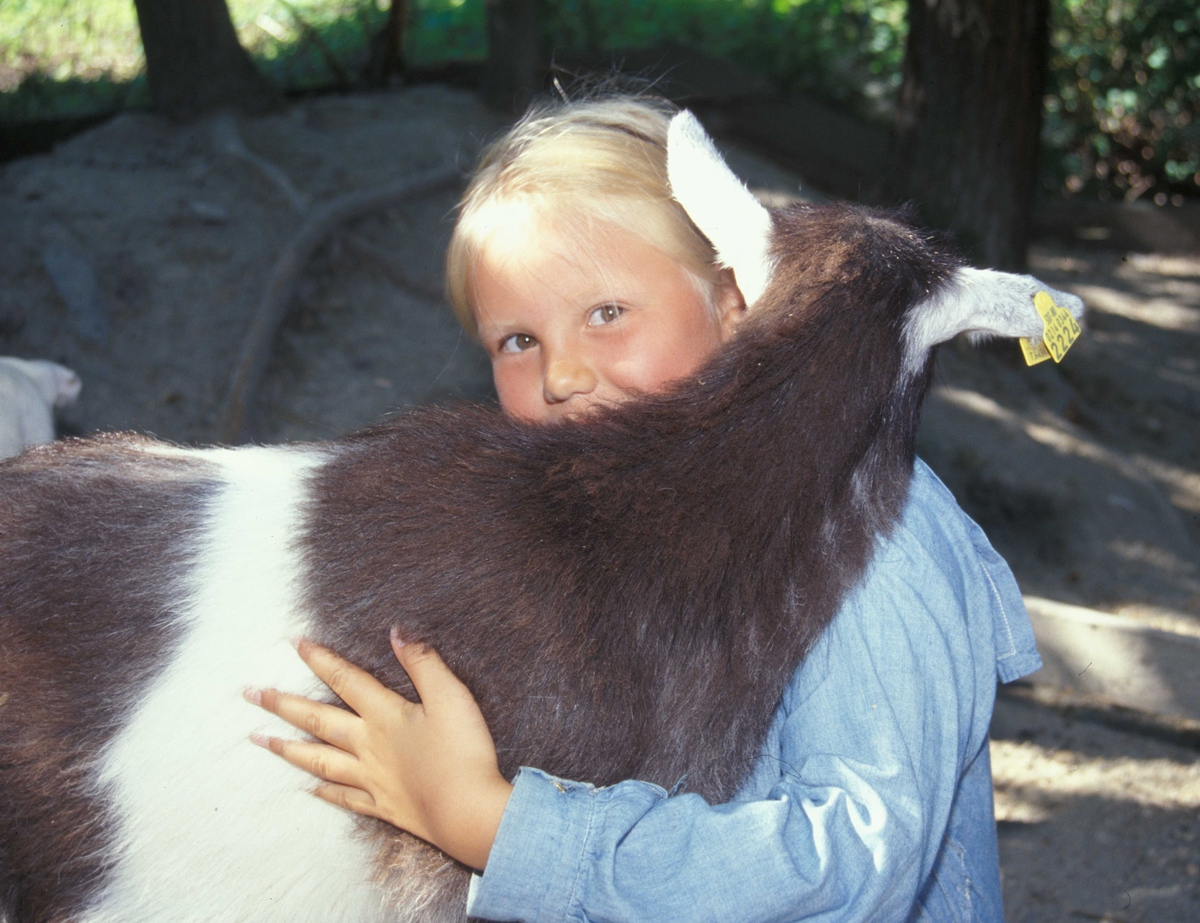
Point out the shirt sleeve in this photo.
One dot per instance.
(864, 759)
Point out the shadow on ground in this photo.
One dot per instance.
(1094, 824)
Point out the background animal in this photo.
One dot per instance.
(30, 390)
(625, 597)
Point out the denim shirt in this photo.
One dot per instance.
(872, 797)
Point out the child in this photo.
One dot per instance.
(872, 796)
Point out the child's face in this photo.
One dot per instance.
(572, 321)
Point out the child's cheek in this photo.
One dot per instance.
(661, 359)
(518, 387)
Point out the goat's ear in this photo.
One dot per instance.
(982, 303)
(738, 227)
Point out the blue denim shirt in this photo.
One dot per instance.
(872, 799)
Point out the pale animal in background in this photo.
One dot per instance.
(30, 391)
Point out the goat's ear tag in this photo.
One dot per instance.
(1059, 331)
(1034, 350)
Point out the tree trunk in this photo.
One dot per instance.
(194, 62)
(393, 41)
(969, 121)
(512, 75)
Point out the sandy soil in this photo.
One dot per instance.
(1094, 824)
(136, 254)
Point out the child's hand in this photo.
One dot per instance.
(429, 768)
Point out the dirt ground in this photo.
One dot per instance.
(137, 254)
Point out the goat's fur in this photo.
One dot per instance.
(627, 597)
(30, 391)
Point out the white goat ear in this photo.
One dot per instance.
(722, 208)
(983, 303)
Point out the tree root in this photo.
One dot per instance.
(394, 270)
(319, 224)
(227, 140)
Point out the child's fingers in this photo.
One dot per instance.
(357, 688)
(430, 676)
(320, 760)
(348, 797)
(331, 724)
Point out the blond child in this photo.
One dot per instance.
(588, 285)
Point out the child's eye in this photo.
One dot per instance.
(518, 342)
(605, 314)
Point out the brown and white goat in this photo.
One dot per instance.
(627, 597)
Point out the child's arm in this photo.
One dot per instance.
(861, 773)
(428, 767)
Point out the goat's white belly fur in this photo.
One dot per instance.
(212, 827)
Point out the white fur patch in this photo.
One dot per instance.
(212, 827)
(738, 227)
(981, 302)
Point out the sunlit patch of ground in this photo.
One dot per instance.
(1095, 824)
(1032, 781)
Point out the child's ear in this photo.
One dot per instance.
(729, 303)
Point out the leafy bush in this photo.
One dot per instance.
(1122, 103)
(70, 58)
(64, 57)
(1123, 107)
(303, 44)
(844, 51)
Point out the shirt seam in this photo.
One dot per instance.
(1012, 642)
(573, 897)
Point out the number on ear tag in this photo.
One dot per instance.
(1059, 331)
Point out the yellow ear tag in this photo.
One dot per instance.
(1059, 331)
(1035, 350)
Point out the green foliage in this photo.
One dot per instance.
(280, 35)
(65, 39)
(62, 57)
(446, 30)
(70, 58)
(1123, 107)
(845, 51)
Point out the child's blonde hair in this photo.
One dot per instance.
(583, 165)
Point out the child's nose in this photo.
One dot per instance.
(565, 377)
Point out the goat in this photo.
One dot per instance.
(626, 597)
(30, 390)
